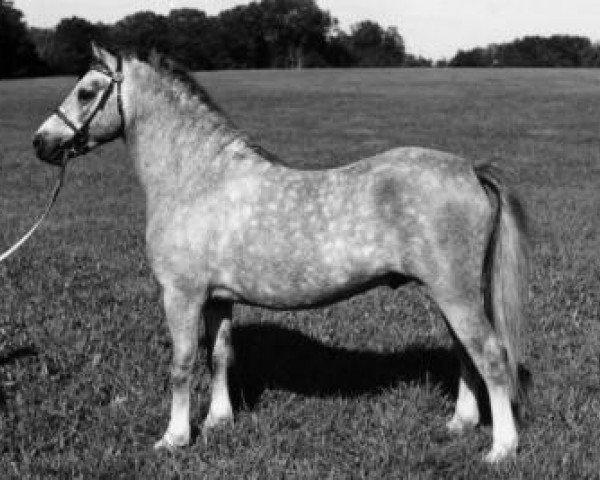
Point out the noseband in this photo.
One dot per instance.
(78, 145)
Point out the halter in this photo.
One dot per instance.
(78, 145)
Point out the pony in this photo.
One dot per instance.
(228, 222)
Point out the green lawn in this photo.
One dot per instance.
(360, 389)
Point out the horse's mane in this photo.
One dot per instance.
(173, 70)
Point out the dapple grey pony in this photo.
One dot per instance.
(227, 222)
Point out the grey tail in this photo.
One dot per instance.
(505, 272)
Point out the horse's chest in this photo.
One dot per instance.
(177, 241)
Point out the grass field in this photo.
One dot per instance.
(358, 390)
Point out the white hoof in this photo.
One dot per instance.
(213, 421)
(169, 444)
(457, 425)
(501, 453)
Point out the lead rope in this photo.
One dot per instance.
(49, 205)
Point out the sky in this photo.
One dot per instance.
(431, 28)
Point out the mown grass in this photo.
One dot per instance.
(358, 390)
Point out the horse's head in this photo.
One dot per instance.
(92, 114)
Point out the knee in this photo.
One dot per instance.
(222, 354)
(496, 361)
(181, 368)
(222, 357)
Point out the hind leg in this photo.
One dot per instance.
(182, 310)
(473, 330)
(466, 413)
(218, 318)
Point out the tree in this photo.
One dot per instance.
(533, 51)
(591, 57)
(414, 61)
(366, 35)
(372, 46)
(338, 50)
(67, 51)
(143, 32)
(193, 38)
(295, 30)
(478, 57)
(242, 39)
(393, 47)
(17, 52)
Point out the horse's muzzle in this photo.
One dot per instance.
(47, 150)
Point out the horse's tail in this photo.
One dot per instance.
(505, 271)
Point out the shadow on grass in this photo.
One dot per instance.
(270, 356)
(12, 357)
(17, 354)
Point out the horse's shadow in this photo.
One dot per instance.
(12, 357)
(270, 356)
(18, 353)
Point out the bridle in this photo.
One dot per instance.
(78, 144)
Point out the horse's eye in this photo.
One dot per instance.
(85, 95)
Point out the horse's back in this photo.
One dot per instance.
(413, 162)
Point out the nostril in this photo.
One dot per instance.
(38, 141)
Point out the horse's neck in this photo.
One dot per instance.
(181, 144)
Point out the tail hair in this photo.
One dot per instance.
(506, 271)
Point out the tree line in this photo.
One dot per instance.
(262, 34)
(533, 51)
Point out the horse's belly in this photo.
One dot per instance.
(285, 282)
(285, 297)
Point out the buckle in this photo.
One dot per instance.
(117, 77)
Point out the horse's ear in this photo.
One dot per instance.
(104, 56)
